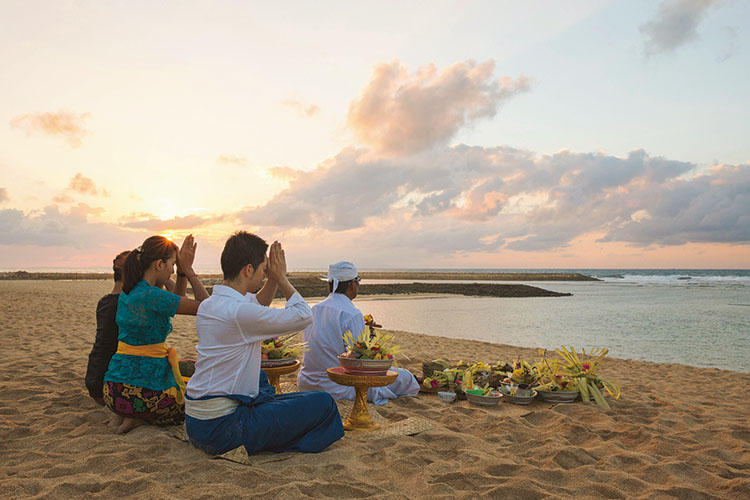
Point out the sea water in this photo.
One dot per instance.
(699, 318)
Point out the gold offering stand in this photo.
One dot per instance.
(275, 372)
(359, 418)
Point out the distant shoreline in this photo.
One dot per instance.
(310, 285)
(314, 287)
(392, 275)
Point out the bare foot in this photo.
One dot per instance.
(115, 420)
(128, 424)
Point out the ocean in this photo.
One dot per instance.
(697, 317)
(694, 317)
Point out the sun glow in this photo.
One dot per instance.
(171, 236)
(166, 209)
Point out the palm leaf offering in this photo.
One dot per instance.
(465, 375)
(583, 370)
(523, 373)
(367, 345)
(550, 376)
(282, 347)
(568, 373)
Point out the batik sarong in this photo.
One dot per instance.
(155, 407)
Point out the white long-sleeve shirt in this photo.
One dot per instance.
(331, 318)
(230, 328)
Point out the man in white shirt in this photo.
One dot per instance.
(229, 402)
(331, 318)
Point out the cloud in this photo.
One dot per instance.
(65, 124)
(302, 109)
(485, 199)
(51, 227)
(400, 113)
(79, 184)
(84, 185)
(732, 43)
(231, 160)
(712, 207)
(284, 173)
(4, 195)
(151, 223)
(84, 210)
(62, 198)
(676, 23)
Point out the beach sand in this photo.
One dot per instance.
(677, 431)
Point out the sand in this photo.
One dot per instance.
(677, 432)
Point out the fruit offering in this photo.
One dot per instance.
(370, 345)
(282, 347)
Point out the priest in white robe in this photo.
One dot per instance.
(331, 318)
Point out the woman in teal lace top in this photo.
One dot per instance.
(140, 384)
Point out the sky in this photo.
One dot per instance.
(425, 134)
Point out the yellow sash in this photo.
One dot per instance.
(158, 351)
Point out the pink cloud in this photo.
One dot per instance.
(63, 198)
(81, 184)
(64, 124)
(150, 223)
(231, 160)
(51, 227)
(284, 173)
(526, 202)
(305, 110)
(401, 113)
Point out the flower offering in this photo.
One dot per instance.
(523, 373)
(370, 323)
(370, 346)
(582, 370)
(282, 347)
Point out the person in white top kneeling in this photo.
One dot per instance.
(331, 318)
(229, 402)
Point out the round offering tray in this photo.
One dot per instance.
(479, 400)
(517, 399)
(275, 372)
(447, 396)
(359, 418)
(372, 367)
(558, 396)
(275, 363)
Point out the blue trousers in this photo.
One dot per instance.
(306, 422)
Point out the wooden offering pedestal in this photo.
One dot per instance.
(359, 418)
(276, 372)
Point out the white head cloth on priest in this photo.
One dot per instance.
(341, 271)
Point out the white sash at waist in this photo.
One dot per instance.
(207, 409)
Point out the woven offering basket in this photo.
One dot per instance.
(429, 367)
(431, 390)
(372, 367)
(517, 399)
(559, 396)
(275, 363)
(479, 400)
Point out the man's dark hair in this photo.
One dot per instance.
(241, 249)
(118, 263)
(343, 285)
